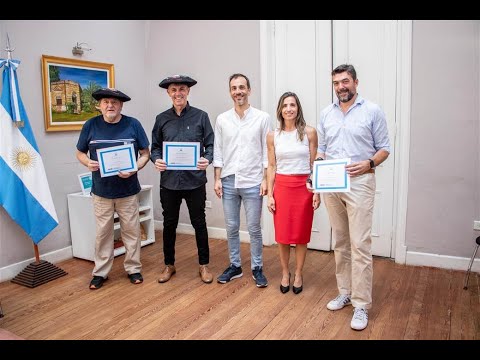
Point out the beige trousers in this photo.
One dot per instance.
(127, 210)
(351, 216)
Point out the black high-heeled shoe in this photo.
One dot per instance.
(297, 290)
(285, 289)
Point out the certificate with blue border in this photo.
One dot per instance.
(116, 158)
(181, 155)
(330, 176)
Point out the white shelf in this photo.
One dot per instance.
(82, 223)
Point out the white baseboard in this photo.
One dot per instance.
(10, 271)
(213, 232)
(412, 257)
(441, 261)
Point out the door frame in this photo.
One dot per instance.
(402, 140)
(402, 126)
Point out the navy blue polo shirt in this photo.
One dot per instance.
(96, 134)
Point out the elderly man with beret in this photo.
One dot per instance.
(183, 123)
(117, 193)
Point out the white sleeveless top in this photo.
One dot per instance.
(292, 155)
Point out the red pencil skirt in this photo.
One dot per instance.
(293, 216)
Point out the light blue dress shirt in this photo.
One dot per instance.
(358, 134)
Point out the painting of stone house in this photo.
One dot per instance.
(68, 85)
(66, 96)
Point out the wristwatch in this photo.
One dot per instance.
(372, 164)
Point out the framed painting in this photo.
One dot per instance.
(68, 85)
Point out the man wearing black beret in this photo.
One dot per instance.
(183, 123)
(117, 193)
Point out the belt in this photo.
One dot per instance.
(370, 171)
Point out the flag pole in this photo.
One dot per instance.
(8, 49)
(37, 254)
(17, 121)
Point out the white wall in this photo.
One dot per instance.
(444, 180)
(209, 52)
(117, 42)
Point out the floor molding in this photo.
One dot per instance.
(10, 271)
(412, 257)
(441, 261)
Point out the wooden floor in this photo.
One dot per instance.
(409, 302)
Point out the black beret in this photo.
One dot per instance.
(177, 79)
(110, 93)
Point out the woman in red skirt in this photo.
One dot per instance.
(291, 152)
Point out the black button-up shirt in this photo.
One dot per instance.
(192, 125)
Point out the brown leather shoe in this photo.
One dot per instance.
(167, 273)
(205, 274)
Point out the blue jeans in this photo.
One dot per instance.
(252, 202)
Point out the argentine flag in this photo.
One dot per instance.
(24, 191)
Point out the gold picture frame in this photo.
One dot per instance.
(67, 90)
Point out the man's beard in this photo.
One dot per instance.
(349, 97)
(110, 116)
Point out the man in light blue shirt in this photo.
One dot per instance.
(353, 127)
(240, 161)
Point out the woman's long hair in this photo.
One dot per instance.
(300, 122)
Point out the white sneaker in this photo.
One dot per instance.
(359, 319)
(339, 302)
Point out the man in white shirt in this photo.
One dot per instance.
(240, 162)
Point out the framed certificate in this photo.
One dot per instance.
(181, 155)
(85, 183)
(330, 176)
(116, 158)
